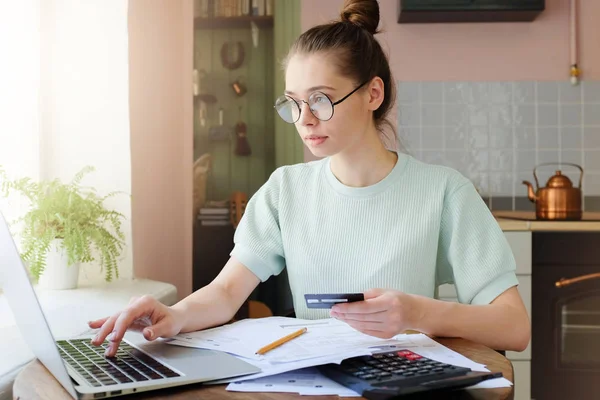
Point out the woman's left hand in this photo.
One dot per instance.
(383, 313)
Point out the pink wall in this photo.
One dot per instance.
(160, 76)
(536, 50)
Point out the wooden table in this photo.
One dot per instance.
(35, 382)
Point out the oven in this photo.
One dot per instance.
(565, 316)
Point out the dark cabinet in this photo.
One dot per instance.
(565, 360)
(415, 11)
(212, 245)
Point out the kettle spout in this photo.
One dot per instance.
(530, 192)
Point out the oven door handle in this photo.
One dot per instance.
(566, 282)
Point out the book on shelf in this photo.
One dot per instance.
(217, 217)
(214, 211)
(221, 222)
(234, 8)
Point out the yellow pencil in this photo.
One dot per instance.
(281, 341)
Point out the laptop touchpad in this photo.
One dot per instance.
(161, 349)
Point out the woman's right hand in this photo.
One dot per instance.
(145, 314)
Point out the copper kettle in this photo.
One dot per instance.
(558, 200)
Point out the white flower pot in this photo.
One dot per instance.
(57, 275)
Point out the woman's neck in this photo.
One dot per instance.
(365, 164)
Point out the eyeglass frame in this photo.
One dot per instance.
(328, 98)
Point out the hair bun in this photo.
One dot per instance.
(363, 13)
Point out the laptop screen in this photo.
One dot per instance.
(26, 309)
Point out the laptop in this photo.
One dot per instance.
(82, 369)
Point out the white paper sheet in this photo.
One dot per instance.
(326, 341)
(427, 347)
(306, 381)
(269, 369)
(244, 338)
(492, 383)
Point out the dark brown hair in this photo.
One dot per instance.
(356, 52)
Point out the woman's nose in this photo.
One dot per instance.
(306, 116)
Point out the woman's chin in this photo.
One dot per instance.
(320, 152)
(320, 148)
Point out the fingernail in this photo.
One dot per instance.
(109, 350)
(95, 338)
(149, 333)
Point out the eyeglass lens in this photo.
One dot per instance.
(319, 104)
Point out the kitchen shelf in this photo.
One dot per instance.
(242, 22)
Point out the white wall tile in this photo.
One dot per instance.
(524, 92)
(591, 114)
(591, 137)
(591, 91)
(547, 137)
(570, 114)
(497, 132)
(569, 93)
(571, 137)
(547, 92)
(547, 114)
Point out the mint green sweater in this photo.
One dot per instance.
(421, 226)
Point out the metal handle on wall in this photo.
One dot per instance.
(566, 282)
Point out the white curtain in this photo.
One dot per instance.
(65, 69)
(19, 94)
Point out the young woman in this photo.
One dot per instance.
(361, 219)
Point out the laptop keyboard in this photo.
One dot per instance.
(128, 365)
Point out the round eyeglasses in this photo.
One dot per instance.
(319, 103)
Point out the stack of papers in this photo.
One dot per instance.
(287, 368)
(325, 337)
(306, 381)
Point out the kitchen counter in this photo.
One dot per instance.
(525, 221)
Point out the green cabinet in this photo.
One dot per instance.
(219, 108)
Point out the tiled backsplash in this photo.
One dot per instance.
(495, 133)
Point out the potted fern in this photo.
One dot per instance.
(66, 224)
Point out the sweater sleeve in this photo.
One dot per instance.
(257, 239)
(473, 252)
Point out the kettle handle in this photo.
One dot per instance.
(554, 163)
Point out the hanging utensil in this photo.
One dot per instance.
(220, 132)
(242, 147)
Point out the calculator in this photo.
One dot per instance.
(387, 375)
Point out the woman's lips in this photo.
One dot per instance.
(315, 140)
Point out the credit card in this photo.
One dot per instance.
(331, 299)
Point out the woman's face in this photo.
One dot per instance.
(308, 79)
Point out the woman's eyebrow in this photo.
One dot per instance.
(312, 89)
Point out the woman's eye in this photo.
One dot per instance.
(318, 99)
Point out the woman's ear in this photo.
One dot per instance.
(376, 93)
